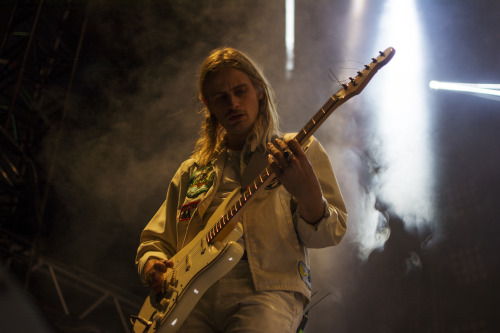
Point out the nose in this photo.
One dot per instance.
(234, 101)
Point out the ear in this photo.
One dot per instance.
(260, 92)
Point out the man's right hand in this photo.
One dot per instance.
(154, 270)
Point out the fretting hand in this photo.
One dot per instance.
(295, 172)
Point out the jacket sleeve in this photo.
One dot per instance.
(331, 228)
(159, 237)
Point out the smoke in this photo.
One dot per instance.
(133, 119)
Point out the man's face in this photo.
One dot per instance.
(233, 99)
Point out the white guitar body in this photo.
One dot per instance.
(214, 251)
(165, 313)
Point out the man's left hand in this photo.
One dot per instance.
(295, 172)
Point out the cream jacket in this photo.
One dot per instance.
(276, 237)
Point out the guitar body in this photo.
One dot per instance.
(196, 267)
(214, 251)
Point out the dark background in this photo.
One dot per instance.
(98, 108)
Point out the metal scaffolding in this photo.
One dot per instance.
(39, 54)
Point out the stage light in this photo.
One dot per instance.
(483, 90)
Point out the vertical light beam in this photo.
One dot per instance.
(402, 116)
(289, 36)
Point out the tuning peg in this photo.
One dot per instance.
(374, 60)
(367, 66)
(381, 53)
(352, 81)
(360, 73)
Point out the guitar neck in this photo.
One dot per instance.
(225, 224)
(319, 118)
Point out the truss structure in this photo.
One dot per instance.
(40, 46)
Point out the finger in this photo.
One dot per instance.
(274, 165)
(277, 154)
(157, 286)
(295, 147)
(285, 150)
(153, 279)
(160, 267)
(280, 143)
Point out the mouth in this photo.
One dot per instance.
(236, 117)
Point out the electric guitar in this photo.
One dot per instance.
(215, 251)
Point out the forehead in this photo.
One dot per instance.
(226, 79)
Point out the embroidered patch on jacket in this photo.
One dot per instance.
(200, 182)
(305, 274)
(186, 210)
(273, 184)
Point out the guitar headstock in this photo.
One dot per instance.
(357, 84)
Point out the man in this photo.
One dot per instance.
(267, 290)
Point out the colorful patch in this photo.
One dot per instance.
(186, 210)
(200, 182)
(273, 184)
(305, 274)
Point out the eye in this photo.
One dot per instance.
(241, 91)
(219, 98)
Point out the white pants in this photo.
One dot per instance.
(232, 305)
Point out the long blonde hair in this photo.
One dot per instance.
(212, 133)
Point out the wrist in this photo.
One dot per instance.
(312, 211)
